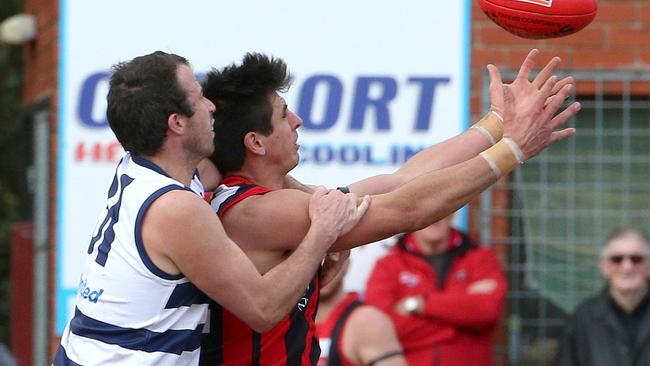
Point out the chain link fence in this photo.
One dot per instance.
(563, 203)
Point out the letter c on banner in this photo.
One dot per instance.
(87, 101)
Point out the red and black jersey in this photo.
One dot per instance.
(330, 332)
(230, 341)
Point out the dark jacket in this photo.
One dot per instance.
(595, 337)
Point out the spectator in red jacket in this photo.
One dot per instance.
(444, 293)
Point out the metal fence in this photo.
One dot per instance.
(563, 203)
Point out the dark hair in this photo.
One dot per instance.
(241, 97)
(142, 94)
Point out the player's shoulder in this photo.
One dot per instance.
(369, 317)
(177, 203)
(368, 324)
(277, 200)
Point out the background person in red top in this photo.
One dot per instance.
(444, 293)
(352, 333)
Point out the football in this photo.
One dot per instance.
(538, 19)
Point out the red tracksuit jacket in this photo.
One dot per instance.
(456, 328)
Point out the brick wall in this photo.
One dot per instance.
(40, 84)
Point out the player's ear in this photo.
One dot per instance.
(176, 123)
(254, 144)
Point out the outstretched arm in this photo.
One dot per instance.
(280, 222)
(470, 143)
(182, 235)
(279, 216)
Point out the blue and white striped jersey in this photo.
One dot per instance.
(128, 311)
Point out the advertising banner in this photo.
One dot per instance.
(374, 82)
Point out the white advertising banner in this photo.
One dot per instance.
(375, 81)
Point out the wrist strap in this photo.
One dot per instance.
(344, 189)
(491, 126)
(515, 149)
(503, 157)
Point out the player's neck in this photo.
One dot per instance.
(262, 175)
(177, 166)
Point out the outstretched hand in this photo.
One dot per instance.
(530, 107)
(496, 83)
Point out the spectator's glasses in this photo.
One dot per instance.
(634, 258)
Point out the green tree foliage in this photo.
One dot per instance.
(13, 159)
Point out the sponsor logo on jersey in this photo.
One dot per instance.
(461, 275)
(86, 292)
(304, 301)
(409, 279)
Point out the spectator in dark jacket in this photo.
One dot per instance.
(613, 327)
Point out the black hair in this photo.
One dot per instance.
(241, 95)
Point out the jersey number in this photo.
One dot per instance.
(112, 217)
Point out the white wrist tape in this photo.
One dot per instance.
(515, 149)
(485, 133)
(491, 126)
(502, 157)
(492, 164)
(497, 114)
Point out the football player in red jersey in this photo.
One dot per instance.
(255, 148)
(351, 333)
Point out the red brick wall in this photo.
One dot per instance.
(21, 323)
(40, 84)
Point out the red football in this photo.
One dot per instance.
(540, 18)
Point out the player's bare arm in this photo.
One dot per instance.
(470, 143)
(369, 337)
(280, 215)
(181, 234)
